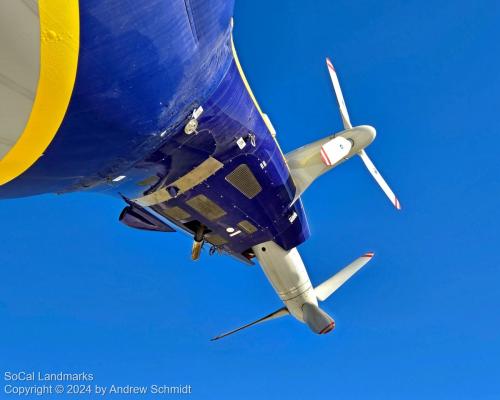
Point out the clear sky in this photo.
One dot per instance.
(80, 292)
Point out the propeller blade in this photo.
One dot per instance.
(338, 93)
(276, 314)
(329, 286)
(382, 183)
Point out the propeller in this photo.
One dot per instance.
(347, 125)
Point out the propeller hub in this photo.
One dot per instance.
(360, 136)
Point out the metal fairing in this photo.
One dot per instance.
(141, 73)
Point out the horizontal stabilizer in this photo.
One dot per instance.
(277, 314)
(328, 287)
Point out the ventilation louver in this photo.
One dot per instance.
(215, 239)
(247, 227)
(206, 207)
(176, 213)
(244, 180)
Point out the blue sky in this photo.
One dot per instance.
(80, 292)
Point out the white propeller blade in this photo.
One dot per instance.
(277, 314)
(329, 286)
(382, 183)
(347, 125)
(338, 93)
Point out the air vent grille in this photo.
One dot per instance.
(206, 207)
(247, 227)
(244, 180)
(176, 213)
(216, 239)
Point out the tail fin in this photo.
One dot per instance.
(325, 290)
(278, 313)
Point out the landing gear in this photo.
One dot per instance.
(199, 240)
